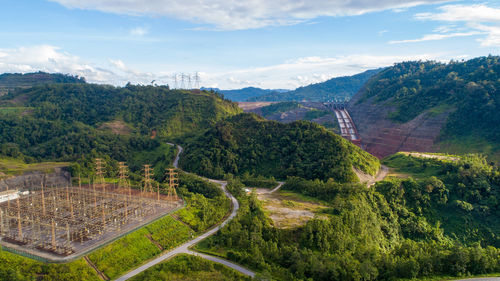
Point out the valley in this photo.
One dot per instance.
(273, 190)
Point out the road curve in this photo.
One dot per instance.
(184, 248)
(280, 183)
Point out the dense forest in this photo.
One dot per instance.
(72, 121)
(170, 113)
(13, 81)
(469, 89)
(249, 143)
(66, 122)
(400, 229)
(339, 88)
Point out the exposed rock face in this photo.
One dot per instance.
(382, 136)
(33, 180)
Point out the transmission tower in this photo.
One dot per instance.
(99, 171)
(148, 186)
(172, 185)
(197, 80)
(174, 78)
(183, 77)
(189, 82)
(123, 174)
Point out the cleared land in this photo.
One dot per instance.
(14, 167)
(287, 209)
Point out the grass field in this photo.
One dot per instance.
(136, 247)
(14, 267)
(288, 209)
(12, 166)
(404, 165)
(475, 144)
(189, 268)
(15, 110)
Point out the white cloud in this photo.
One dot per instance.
(493, 37)
(303, 71)
(467, 13)
(434, 37)
(139, 31)
(235, 14)
(289, 74)
(477, 19)
(50, 59)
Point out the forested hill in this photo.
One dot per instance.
(336, 88)
(465, 94)
(65, 121)
(249, 143)
(19, 80)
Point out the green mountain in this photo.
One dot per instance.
(339, 88)
(452, 106)
(10, 81)
(249, 143)
(68, 121)
(443, 222)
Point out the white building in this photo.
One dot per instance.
(8, 195)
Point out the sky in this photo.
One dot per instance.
(233, 44)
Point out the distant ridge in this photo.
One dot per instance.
(12, 81)
(36, 78)
(246, 93)
(336, 88)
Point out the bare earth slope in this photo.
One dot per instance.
(382, 136)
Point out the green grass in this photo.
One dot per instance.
(313, 114)
(294, 196)
(12, 166)
(14, 110)
(279, 108)
(135, 248)
(190, 268)
(470, 144)
(418, 168)
(15, 267)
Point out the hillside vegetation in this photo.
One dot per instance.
(64, 122)
(470, 89)
(12, 81)
(339, 88)
(190, 268)
(249, 143)
(461, 197)
(400, 229)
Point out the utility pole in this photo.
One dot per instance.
(197, 80)
(99, 172)
(148, 187)
(172, 184)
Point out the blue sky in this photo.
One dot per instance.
(234, 44)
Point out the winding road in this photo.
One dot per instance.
(184, 248)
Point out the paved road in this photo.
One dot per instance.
(179, 151)
(280, 183)
(184, 248)
(382, 173)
